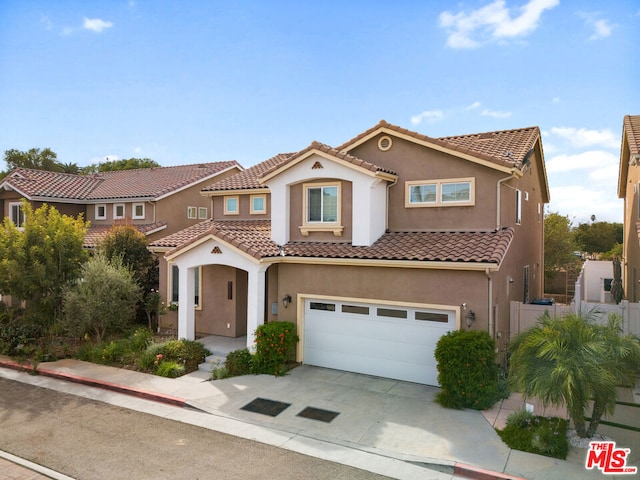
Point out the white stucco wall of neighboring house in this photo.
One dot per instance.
(594, 273)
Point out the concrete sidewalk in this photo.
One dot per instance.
(386, 426)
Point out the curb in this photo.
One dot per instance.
(476, 473)
(136, 392)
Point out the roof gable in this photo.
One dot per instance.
(317, 148)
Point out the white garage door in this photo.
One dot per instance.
(384, 340)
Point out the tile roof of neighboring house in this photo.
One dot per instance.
(95, 233)
(507, 148)
(632, 128)
(249, 178)
(122, 184)
(254, 238)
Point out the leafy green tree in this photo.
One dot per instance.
(597, 237)
(70, 167)
(558, 244)
(130, 245)
(103, 300)
(568, 361)
(38, 260)
(123, 164)
(36, 158)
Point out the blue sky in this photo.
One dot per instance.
(197, 81)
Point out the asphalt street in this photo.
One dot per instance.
(86, 439)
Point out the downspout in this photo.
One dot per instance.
(498, 198)
(490, 303)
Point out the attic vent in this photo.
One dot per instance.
(216, 249)
(316, 166)
(385, 143)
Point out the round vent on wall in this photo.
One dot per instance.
(385, 143)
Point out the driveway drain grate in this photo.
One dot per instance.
(318, 414)
(273, 408)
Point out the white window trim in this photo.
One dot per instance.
(115, 211)
(18, 223)
(335, 227)
(133, 211)
(518, 207)
(255, 211)
(97, 210)
(438, 183)
(203, 213)
(232, 212)
(192, 212)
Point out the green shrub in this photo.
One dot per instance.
(187, 353)
(275, 345)
(238, 362)
(114, 352)
(141, 339)
(170, 369)
(19, 340)
(467, 371)
(535, 434)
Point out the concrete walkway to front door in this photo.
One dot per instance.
(219, 348)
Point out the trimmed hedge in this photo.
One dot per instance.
(467, 370)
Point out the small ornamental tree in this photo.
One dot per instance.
(275, 345)
(104, 300)
(38, 260)
(467, 370)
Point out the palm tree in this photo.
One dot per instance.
(569, 361)
(622, 359)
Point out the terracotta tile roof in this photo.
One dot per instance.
(333, 152)
(507, 148)
(632, 128)
(254, 238)
(95, 233)
(249, 178)
(139, 183)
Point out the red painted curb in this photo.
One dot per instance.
(136, 392)
(475, 473)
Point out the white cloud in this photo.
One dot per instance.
(494, 114)
(493, 21)
(431, 116)
(579, 202)
(96, 25)
(473, 105)
(581, 161)
(555, 100)
(582, 137)
(601, 27)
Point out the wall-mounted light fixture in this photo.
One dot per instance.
(286, 300)
(470, 317)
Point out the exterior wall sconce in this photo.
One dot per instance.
(286, 300)
(470, 317)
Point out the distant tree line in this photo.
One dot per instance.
(563, 242)
(47, 159)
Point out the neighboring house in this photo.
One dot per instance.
(157, 201)
(374, 249)
(595, 282)
(628, 190)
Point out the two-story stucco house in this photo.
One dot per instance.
(156, 201)
(628, 190)
(374, 248)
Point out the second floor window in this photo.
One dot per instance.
(118, 211)
(231, 206)
(322, 204)
(101, 212)
(138, 211)
(440, 193)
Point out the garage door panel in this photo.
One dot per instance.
(377, 345)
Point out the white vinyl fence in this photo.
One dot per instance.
(524, 315)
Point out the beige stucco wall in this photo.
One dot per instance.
(631, 253)
(244, 202)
